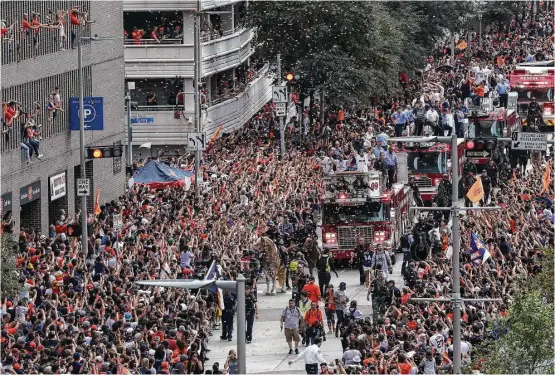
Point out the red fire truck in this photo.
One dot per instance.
(535, 79)
(499, 122)
(357, 205)
(427, 163)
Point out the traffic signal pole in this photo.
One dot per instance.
(281, 124)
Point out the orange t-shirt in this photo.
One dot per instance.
(75, 20)
(480, 91)
(405, 368)
(313, 317)
(341, 115)
(405, 298)
(313, 291)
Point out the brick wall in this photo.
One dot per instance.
(31, 217)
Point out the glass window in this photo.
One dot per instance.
(368, 212)
(425, 162)
(541, 95)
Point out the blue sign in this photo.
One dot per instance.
(93, 107)
(142, 120)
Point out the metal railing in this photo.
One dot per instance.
(238, 89)
(142, 42)
(18, 45)
(212, 35)
(157, 108)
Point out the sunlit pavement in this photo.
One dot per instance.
(268, 352)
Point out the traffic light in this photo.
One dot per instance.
(102, 152)
(289, 76)
(481, 144)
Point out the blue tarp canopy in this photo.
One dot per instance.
(157, 175)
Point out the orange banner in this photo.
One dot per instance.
(546, 180)
(216, 133)
(97, 202)
(476, 191)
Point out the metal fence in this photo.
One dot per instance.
(38, 93)
(18, 45)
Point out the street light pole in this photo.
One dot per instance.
(480, 28)
(281, 125)
(84, 215)
(237, 286)
(456, 236)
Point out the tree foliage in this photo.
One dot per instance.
(352, 49)
(9, 283)
(526, 347)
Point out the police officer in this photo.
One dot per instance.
(325, 265)
(405, 248)
(391, 164)
(487, 185)
(357, 258)
(227, 316)
(444, 195)
(503, 89)
(416, 192)
(492, 171)
(251, 309)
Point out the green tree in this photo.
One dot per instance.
(9, 285)
(527, 345)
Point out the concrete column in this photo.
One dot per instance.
(189, 95)
(188, 28)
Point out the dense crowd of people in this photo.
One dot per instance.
(86, 315)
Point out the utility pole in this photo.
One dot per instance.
(196, 85)
(84, 214)
(281, 124)
(453, 49)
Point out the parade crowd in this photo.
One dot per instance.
(76, 315)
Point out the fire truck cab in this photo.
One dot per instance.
(535, 80)
(427, 163)
(490, 123)
(358, 205)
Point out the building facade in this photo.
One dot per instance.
(159, 65)
(40, 72)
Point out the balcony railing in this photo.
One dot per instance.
(168, 125)
(132, 42)
(158, 5)
(167, 60)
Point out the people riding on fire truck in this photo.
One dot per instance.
(534, 113)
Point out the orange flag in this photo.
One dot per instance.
(216, 133)
(546, 180)
(97, 202)
(476, 191)
(462, 45)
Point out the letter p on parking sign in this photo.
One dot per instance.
(93, 108)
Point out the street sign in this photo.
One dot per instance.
(196, 141)
(83, 187)
(476, 154)
(118, 221)
(279, 94)
(281, 109)
(94, 113)
(529, 141)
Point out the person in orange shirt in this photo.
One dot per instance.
(312, 289)
(341, 115)
(314, 324)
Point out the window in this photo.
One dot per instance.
(18, 46)
(39, 92)
(368, 212)
(541, 95)
(425, 162)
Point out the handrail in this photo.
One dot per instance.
(142, 42)
(211, 33)
(239, 89)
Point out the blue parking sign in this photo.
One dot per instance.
(93, 107)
